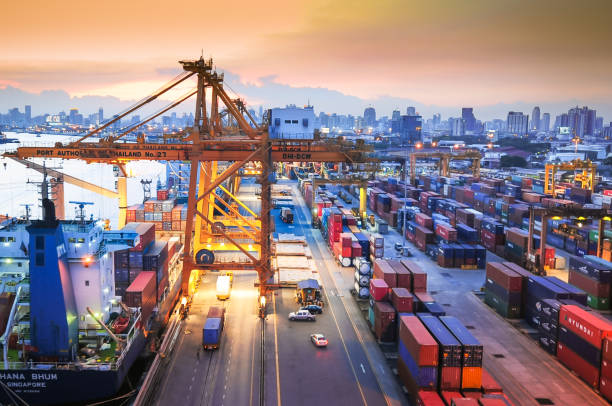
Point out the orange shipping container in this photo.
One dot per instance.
(176, 226)
(167, 216)
(471, 378)
(159, 226)
(176, 212)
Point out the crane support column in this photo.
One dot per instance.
(530, 238)
(543, 234)
(122, 190)
(191, 208)
(363, 196)
(600, 236)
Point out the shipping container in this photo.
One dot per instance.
(379, 289)
(472, 349)
(382, 270)
(142, 293)
(583, 369)
(585, 324)
(402, 300)
(211, 333)
(428, 398)
(419, 343)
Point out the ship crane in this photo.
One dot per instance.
(204, 145)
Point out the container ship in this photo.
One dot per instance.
(78, 303)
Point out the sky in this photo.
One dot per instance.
(437, 55)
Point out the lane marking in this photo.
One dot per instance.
(362, 368)
(190, 388)
(278, 394)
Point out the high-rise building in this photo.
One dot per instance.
(545, 122)
(535, 119)
(457, 126)
(396, 114)
(395, 121)
(100, 115)
(469, 121)
(410, 129)
(581, 121)
(369, 116)
(517, 123)
(411, 111)
(437, 118)
(28, 113)
(598, 123)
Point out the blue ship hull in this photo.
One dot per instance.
(61, 387)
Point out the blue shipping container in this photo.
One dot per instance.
(211, 334)
(424, 376)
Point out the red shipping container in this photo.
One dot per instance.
(605, 387)
(486, 401)
(162, 194)
(448, 396)
(167, 216)
(504, 277)
(355, 250)
(606, 350)
(384, 321)
(585, 325)
(382, 270)
(142, 293)
(424, 297)
(379, 289)
(346, 251)
(424, 220)
(586, 371)
(428, 398)
(464, 402)
(346, 239)
(146, 231)
(590, 286)
(489, 384)
(606, 368)
(404, 277)
(471, 394)
(450, 378)
(419, 343)
(402, 300)
(419, 277)
(446, 232)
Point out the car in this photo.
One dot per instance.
(318, 340)
(301, 315)
(398, 246)
(313, 309)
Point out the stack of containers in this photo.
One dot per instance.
(141, 293)
(446, 232)
(428, 398)
(177, 217)
(581, 336)
(417, 362)
(538, 289)
(129, 263)
(382, 270)
(492, 234)
(418, 281)
(425, 303)
(162, 194)
(384, 321)
(548, 327)
(377, 246)
(503, 290)
(449, 353)
(156, 259)
(605, 381)
(471, 364)
(466, 234)
(592, 275)
(516, 245)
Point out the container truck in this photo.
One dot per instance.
(223, 287)
(287, 215)
(211, 334)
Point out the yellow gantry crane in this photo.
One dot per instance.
(445, 157)
(215, 155)
(584, 172)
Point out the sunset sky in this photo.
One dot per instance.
(445, 53)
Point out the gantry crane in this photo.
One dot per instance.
(445, 157)
(205, 145)
(584, 172)
(535, 258)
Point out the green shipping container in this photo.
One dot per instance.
(599, 303)
(501, 307)
(371, 318)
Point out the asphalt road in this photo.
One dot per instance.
(229, 375)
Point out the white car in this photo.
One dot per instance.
(301, 315)
(318, 340)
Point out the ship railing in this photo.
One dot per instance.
(9, 325)
(69, 366)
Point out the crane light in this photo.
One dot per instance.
(262, 301)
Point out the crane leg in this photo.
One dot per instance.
(122, 190)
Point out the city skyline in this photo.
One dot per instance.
(480, 57)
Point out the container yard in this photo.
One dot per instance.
(277, 264)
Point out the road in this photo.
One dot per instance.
(229, 375)
(295, 372)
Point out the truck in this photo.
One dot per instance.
(224, 286)
(287, 215)
(211, 333)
